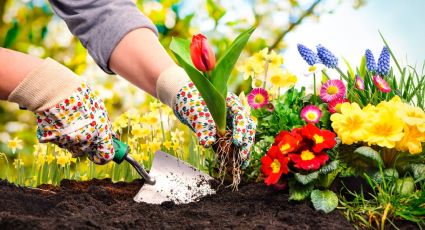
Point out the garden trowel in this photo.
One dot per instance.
(169, 179)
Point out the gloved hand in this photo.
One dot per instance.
(190, 109)
(68, 113)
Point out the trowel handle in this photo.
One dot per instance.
(121, 154)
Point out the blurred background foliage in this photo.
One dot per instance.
(30, 26)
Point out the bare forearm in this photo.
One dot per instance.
(15, 66)
(140, 58)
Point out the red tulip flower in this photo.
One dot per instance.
(273, 165)
(202, 55)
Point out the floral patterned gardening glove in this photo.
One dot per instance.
(79, 124)
(68, 113)
(191, 110)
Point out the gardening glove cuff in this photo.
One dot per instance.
(45, 86)
(169, 82)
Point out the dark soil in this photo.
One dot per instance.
(101, 204)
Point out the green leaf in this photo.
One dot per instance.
(221, 73)
(389, 174)
(215, 101)
(299, 192)
(307, 178)
(405, 186)
(350, 69)
(370, 154)
(363, 67)
(332, 166)
(325, 200)
(418, 171)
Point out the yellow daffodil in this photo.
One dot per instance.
(155, 145)
(177, 136)
(168, 145)
(152, 118)
(138, 132)
(49, 158)
(154, 105)
(18, 163)
(351, 124)
(63, 159)
(40, 158)
(15, 144)
(138, 157)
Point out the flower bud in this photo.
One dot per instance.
(201, 53)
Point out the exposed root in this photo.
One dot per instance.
(229, 160)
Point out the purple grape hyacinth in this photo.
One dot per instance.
(308, 55)
(370, 61)
(383, 67)
(327, 57)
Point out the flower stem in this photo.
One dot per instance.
(265, 74)
(314, 88)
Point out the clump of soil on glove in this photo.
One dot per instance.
(101, 204)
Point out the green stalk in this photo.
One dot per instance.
(314, 88)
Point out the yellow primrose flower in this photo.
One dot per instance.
(275, 60)
(385, 128)
(250, 68)
(280, 78)
(15, 144)
(412, 140)
(18, 163)
(351, 124)
(413, 116)
(261, 57)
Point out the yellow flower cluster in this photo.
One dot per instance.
(390, 124)
(264, 67)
